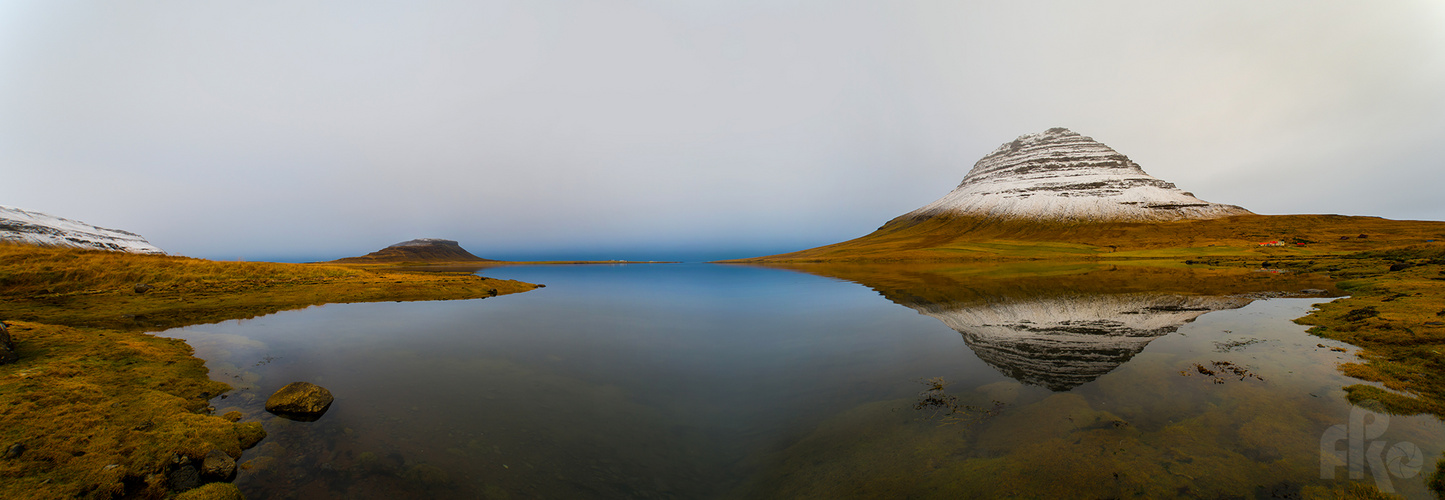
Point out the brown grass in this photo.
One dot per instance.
(97, 288)
(971, 239)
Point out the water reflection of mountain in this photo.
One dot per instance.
(1063, 325)
(1063, 342)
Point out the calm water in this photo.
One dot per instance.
(706, 381)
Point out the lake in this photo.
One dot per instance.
(717, 381)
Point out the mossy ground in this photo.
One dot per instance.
(1397, 317)
(97, 409)
(102, 408)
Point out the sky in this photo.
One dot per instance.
(685, 129)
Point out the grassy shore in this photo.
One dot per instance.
(964, 239)
(1393, 271)
(100, 409)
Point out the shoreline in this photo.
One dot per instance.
(91, 332)
(96, 406)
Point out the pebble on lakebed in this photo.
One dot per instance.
(300, 401)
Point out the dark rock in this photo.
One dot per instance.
(1313, 291)
(143, 288)
(218, 466)
(15, 451)
(1401, 266)
(184, 478)
(7, 346)
(300, 401)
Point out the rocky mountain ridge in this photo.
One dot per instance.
(36, 228)
(1061, 175)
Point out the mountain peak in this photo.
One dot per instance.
(1059, 174)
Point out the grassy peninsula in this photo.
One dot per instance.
(96, 408)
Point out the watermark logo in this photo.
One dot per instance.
(1362, 449)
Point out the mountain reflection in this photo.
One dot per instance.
(1060, 326)
(1063, 342)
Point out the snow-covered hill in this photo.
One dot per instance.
(1061, 175)
(23, 226)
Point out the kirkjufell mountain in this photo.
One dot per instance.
(1059, 194)
(1061, 175)
(36, 228)
(418, 250)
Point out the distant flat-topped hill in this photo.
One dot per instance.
(418, 250)
(35, 228)
(1060, 194)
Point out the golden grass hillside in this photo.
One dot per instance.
(956, 238)
(94, 288)
(94, 408)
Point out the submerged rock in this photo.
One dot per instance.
(218, 465)
(184, 478)
(300, 401)
(7, 346)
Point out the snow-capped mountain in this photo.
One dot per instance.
(1063, 342)
(1061, 175)
(24, 226)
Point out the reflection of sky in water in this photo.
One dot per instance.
(689, 380)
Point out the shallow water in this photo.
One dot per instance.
(706, 381)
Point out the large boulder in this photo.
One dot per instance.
(7, 346)
(300, 401)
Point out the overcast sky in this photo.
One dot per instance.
(685, 128)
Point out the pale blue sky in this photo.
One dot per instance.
(648, 129)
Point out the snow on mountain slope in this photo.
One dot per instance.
(1063, 342)
(1061, 175)
(23, 226)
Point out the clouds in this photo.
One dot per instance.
(327, 130)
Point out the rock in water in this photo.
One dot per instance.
(184, 478)
(300, 401)
(218, 466)
(7, 346)
(1061, 175)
